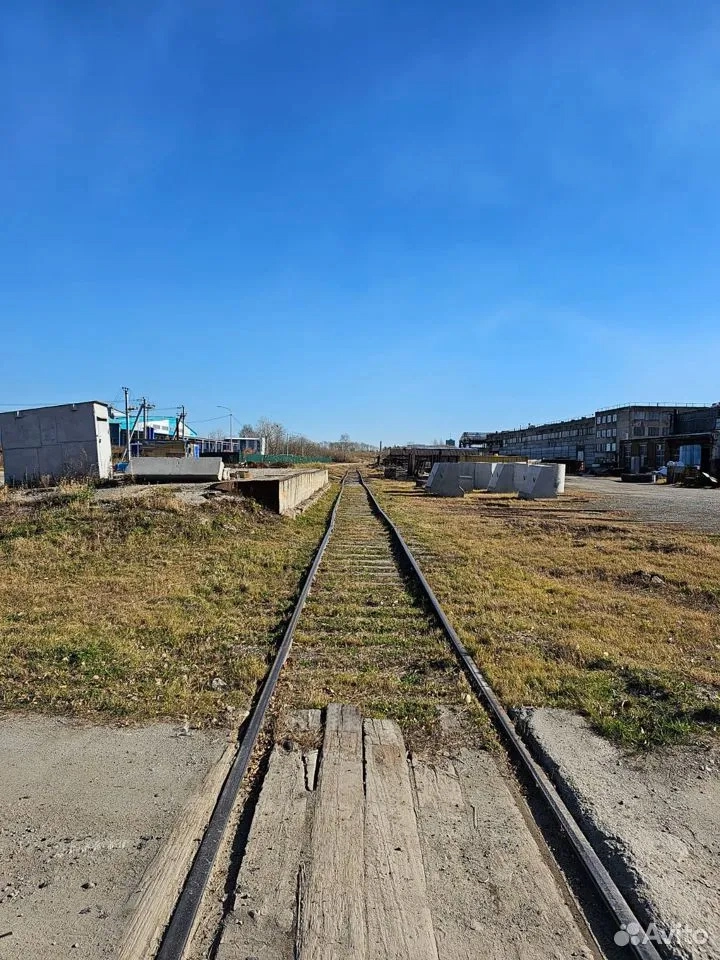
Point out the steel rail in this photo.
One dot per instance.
(616, 903)
(179, 929)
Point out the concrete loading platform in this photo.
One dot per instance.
(281, 491)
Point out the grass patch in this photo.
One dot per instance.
(608, 617)
(144, 606)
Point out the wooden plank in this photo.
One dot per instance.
(398, 916)
(154, 900)
(331, 902)
(491, 892)
(263, 922)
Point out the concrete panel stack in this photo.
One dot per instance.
(444, 480)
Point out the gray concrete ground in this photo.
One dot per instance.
(655, 820)
(85, 810)
(652, 503)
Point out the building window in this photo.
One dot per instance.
(614, 418)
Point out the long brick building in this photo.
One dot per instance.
(632, 437)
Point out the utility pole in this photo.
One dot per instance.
(221, 406)
(146, 408)
(180, 422)
(128, 450)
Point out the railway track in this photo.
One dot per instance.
(366, 600)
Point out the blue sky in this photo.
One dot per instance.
(393, 220)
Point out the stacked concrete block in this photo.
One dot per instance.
(531, 481)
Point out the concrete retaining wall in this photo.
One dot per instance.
(179, 469)
(281, 491)
(300, 487)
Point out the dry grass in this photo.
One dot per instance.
(591, 612)
(144, 607)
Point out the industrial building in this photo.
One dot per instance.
(53, 443)
(632, 437)
(690, 436)
(566, 441)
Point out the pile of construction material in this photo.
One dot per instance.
(531, 481)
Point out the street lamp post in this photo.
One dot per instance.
(221, 407)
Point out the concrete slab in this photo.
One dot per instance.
(654, 818)
(483, 475)
(521, 475)
(85, 811)
(444, 480)
(503, 479)
(466, 477)
(541, 481)
(182, 469)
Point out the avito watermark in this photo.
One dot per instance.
(677, 934)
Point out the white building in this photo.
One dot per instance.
(70, 440)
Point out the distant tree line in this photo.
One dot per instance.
(279, 440)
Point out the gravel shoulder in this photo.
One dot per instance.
(87, 808)
(654, 819)
(657, 503)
